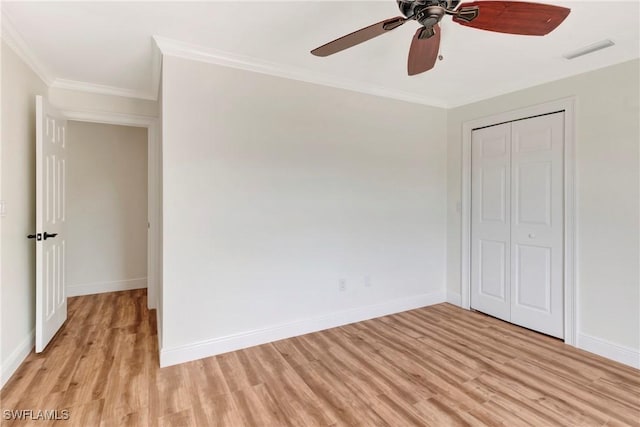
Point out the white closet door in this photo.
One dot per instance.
(490, 220)
(537, 224)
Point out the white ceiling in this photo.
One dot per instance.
(109, 45)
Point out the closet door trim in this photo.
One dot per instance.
(566, 105)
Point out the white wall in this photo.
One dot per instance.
(107, 208)
(20, 85)
(608, 211)
(274, 190)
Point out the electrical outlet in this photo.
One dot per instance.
(342, 285)
(367, 281)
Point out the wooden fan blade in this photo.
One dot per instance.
(423, 52)
(512, 17)
(359, 36)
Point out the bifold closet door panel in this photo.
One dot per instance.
(490, 220)
(537, 223)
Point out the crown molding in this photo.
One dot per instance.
(20, 47)
(199, 53)
(101, 89)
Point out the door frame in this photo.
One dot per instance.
(154, 206)
(569, 242)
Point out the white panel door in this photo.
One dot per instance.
(51, 300)
(537, 224)
(490, 220)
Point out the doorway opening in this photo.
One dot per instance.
(106, 204)
(154, 199)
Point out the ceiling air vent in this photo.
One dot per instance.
(589, 49)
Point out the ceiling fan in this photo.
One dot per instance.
(511, 17)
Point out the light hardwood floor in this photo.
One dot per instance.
(436, 366)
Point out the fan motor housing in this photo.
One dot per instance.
(411, 8)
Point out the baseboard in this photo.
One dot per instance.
(17, 356)
(454, 298)
(202, 349)
(619, 353)
(101, 287)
